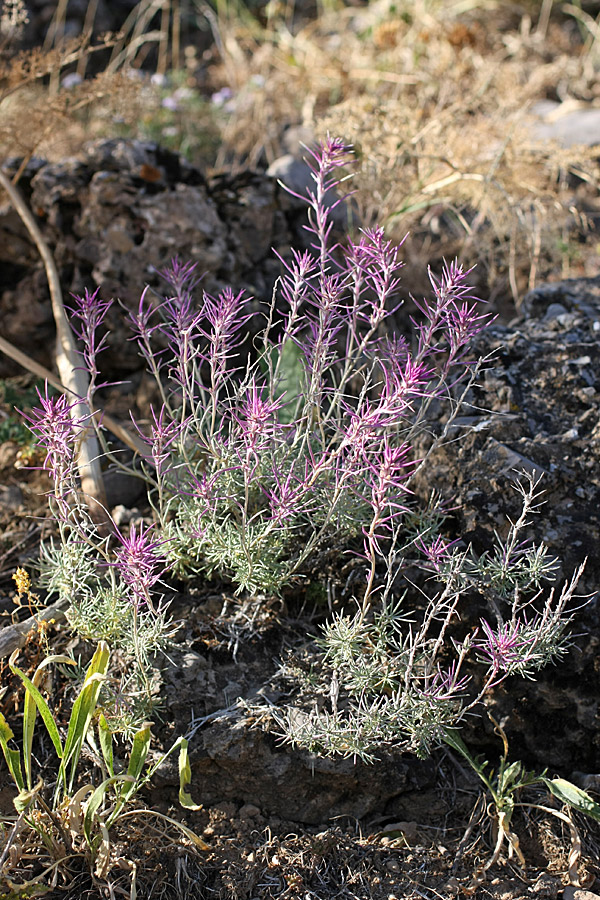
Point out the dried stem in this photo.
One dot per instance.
(67, 361)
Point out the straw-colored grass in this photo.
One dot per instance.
(437, 99)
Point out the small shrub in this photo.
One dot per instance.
(265, 453)
(262, 457)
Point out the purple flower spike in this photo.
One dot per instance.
(257, 418)
(451, 287)
(505, 649)
(138, 562)
(331, 154)
(464, 322)
(140, 320)
(287, 501)
(90, 310)
(225, 316)
(446, 685)
(162, 436)
(57, 431)
(180, 276)
(390, 471)
(87, 315)
(437, 553)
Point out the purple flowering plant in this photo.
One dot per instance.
(262, 459)
(265, 453)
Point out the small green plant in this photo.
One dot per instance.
(73, 819)
(505, 787)
(395, 671)
(99, 607)
(178, 117)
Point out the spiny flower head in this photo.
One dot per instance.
(437, 552)
(256, 416)
(180, 276)
(138, 561)
(90, 311)
(331, 154)
(57, 430)
(446, 685)
(140, 320)
(287, 500)
(388, 473)
(226, 317)
(507, 649)
(163, 434)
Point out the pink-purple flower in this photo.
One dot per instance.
(139, 562)
(506, 649)
(57, 431)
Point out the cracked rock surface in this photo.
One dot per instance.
(537, 409)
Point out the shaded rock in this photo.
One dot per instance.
(122, 488)
(234, 759)
(117, 215)
(573, 893)
(542, 402)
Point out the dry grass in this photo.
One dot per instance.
(65, 105)
(436, 98)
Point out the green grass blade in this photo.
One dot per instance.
(91, 810)
(185, 777)
(105, 737)
(83, 710)
(454, 740)
(30, 712)
(137, 761)
(12, 757)
(43, 708)
(29, 717)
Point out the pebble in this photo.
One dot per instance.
(574, 893)
(554, 311)
(249, 811)
(569, 127)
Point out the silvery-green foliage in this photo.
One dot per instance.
(400, 673)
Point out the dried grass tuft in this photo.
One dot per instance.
(437, 98)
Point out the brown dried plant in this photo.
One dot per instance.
(57, 122)
(437, 99)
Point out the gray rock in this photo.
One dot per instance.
(296, 175)
(574, 893)
(545, 415)
(236, 758)
(231, 761)
(568, 128)
(115, 216)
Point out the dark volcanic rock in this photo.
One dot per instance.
(118, 214)
(542, 396)
(235, 759)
